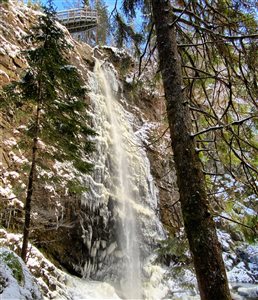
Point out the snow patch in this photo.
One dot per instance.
(12, 268)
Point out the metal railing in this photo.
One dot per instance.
(77, 15)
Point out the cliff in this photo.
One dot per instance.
(130, 206)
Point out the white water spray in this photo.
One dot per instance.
(131, 283)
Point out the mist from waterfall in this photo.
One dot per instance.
(131, 285)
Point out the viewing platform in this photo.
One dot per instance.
(78, 19)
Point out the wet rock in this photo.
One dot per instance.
(237, 236)
(249, 292)
(245, 291)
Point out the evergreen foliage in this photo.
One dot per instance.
(218, 48)
(52, 100)
(53, 85)
(208, 83)
(103, 28)
(174, 249)
(124, 33)
(123, 28)
(13, 263)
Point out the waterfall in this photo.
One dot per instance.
(119, 221)
(131, 283)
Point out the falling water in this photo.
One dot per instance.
(131, 283)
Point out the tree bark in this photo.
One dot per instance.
(26, 228)
(27, 220)
(199, 225)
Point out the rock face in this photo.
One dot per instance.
(14, 25)
(16, 282)
(85, 235)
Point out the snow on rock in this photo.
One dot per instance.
(4, 78)
(145, 131)
(129, 79)
(245, 291)
(82, 289)
(225, 240)
(148, 133)
(118, 52)
(250, 292)
(53, 282)
(241, 260)
(239, 274)
(245, 269)
(16, 281)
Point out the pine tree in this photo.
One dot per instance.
(103, 29)
(211, 39)
(198, 221)
(51, 92)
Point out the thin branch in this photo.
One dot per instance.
(239, 157)
(234, 221)
(212, 174)
(196, 45)
(198, 150)
(178, 17)
(215, 76)
(209, 28)
(190, 13)
(149, 57)
(159, 138)
(203, 112)
(114, 10)
(218, 127)
(145, 49)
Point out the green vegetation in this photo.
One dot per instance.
(174, 250)
(103, 29)
(50, 98)
(13, 263)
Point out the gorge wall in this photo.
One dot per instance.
(101, 233)
(113, 231)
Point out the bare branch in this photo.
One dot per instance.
(234, 221)
(218, 127)
(196, 45)
(114, 10)
(209, 27)
(145, 49)
(203, 112)
(159, 138)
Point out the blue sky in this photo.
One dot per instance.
(62, 4)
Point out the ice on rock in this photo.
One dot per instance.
(111, 248)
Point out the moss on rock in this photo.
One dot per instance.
(13, 263)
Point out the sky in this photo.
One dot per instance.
(63, 4)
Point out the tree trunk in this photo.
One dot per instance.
(26, 228)
(199, 225)
(27, 221)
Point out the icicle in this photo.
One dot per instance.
(111, 248)
(103, 244)
(121, 197)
